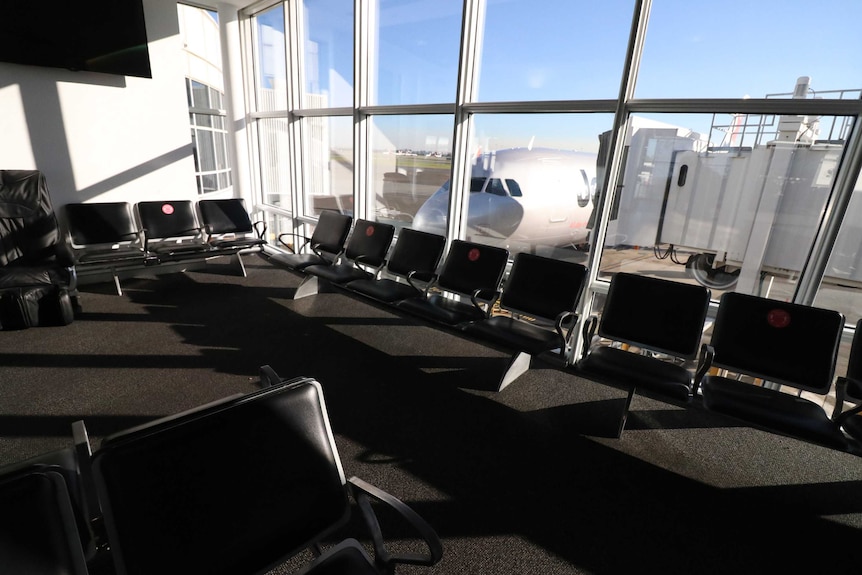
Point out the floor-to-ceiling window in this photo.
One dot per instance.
(709, 143)
(205, 91)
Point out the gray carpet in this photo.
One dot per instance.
(529, 480)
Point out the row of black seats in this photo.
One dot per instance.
(113, 236)
(234, 487)
(648, 336)
(534, 315)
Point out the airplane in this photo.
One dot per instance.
(521, 198)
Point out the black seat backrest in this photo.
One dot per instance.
(225, 216)
(416, 251)
(168, 219)
(470, 266)
(331, 231)
(371, 240)
(231, 488)
(29, 230)
(101, 223)
(786, 343)
(656, 314)
(543, 287)
(854, 366)
(38, 528)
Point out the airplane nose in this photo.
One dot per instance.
(430, 220)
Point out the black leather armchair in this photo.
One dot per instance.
(37, 279)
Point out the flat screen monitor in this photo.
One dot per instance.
(107, 36)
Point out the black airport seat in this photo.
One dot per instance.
(229, 228)
(326, 242)
(537, 312)
(366, 248)
(415, 255)
(472, 273)
(105, 238)
(848, 387)
(238, 486)
(663, 320)
(782, 344)
(171, 230)
(41, 527)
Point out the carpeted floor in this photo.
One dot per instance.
(529, 480)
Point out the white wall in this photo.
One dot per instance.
(99, 137)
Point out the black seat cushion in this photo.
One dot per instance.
(440, 309)
(515, 334)
(384, 290)
(641, 371)
(301, 261)
(772, 410)
(338, 274)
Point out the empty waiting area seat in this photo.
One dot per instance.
(171, 230)
(415, 256)
(472, 273)
(41, 532)
(323, 247)
(649, 333)
(238, 486)
(364, 256)
(849, 389)
(537, 311)
(763, 344)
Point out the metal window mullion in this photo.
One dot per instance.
(472, 29)
(248, 54)
(616, 148)
(365, 16)
(294, 46)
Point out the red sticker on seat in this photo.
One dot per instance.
(167, 209)
(369, 231)
(473, 254)
(778, 318)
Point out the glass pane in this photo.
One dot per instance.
(206, 150)
(533, 183)
(841, 289)
(274, 156)
(327, 164)
(200, 95)
(328, 54)
(270, 64)
(417, 52)
(740, 48)
(553, 49)
(411, 161)
(696, 206)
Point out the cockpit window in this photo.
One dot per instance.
(495, 187)
(514, 188)
(476, 184)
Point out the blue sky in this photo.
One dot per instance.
(575, 49)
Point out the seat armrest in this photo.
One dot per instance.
(260, 228)
(591, 325)
(429, 278)
(565, 333)
(704, 363)
(305, 240)
(485, 305)
(364, 493)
